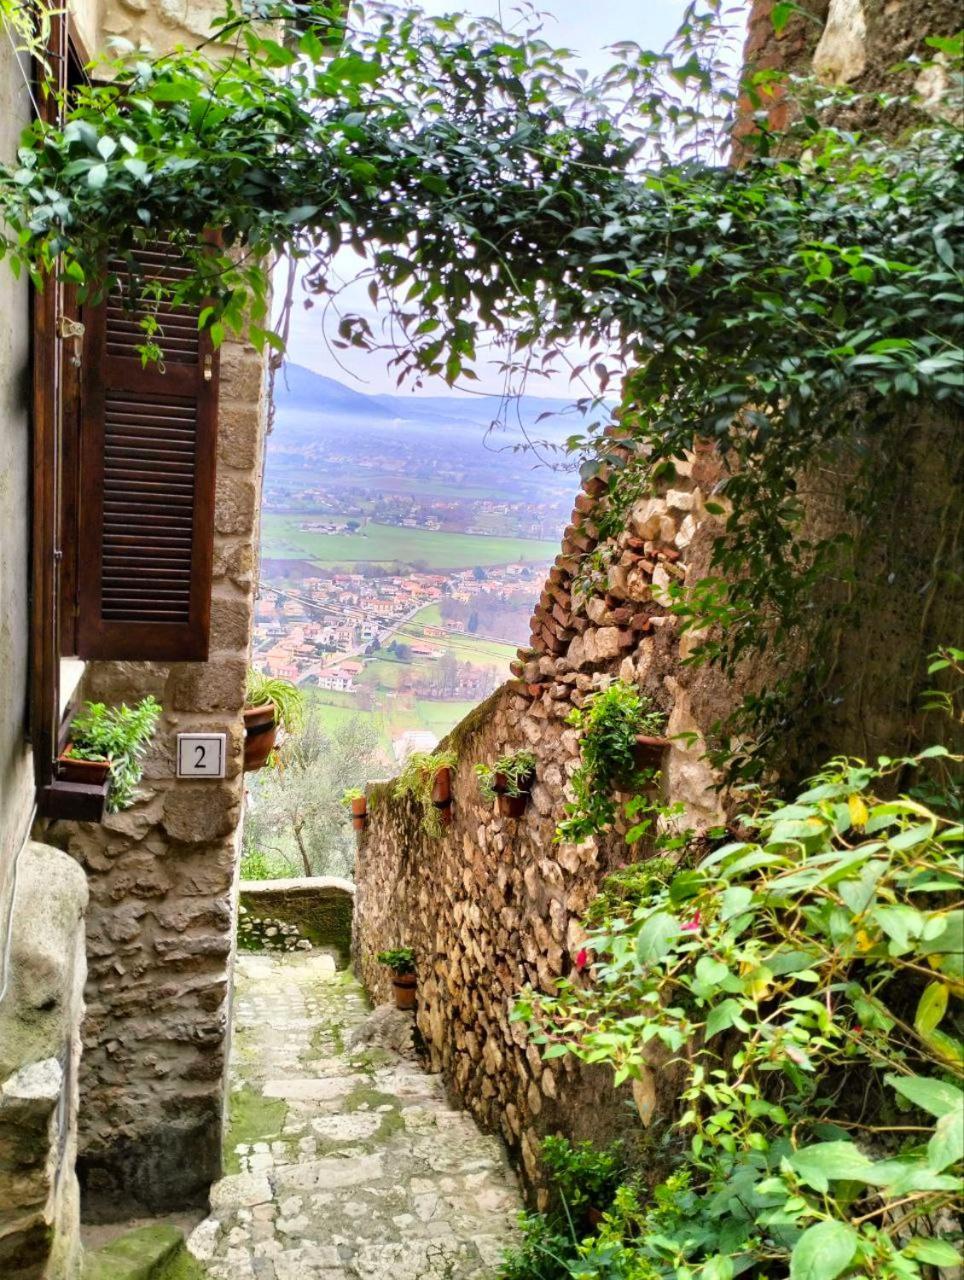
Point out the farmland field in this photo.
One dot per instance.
(387, 544)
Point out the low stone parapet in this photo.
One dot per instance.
(288, 915)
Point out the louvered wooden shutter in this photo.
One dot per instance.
(148, 439)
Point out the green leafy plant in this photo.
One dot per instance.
(289, 701)
(517, 767)
(805, 985)
(595, 1199)
(610, 722)
(350, 794)
(120, 735)
(417, 780)
(401, 960)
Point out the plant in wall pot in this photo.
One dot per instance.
(508, 781)
(268, 703)
(106, 744)
(622, 742)
(401, 961)
(355, 800)
(427, 778)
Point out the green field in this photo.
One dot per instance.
(392, 718)
(281, 538)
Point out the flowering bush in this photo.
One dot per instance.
(806, 985)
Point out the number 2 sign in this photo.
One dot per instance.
(201, 755)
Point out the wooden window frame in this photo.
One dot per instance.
(48, 628)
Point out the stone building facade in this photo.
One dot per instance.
(160, 876)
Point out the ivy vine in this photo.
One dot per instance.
(785, 310)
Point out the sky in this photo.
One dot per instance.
(586, 27)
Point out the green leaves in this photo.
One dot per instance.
(824, 1251)
(819, 1164)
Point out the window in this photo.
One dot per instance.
(123, 500)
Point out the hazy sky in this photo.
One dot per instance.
(586, 26)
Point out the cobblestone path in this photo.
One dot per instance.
(344, 1163)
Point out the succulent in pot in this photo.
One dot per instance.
(427, 778)
(401, 961)
(508, 781)
(269, 704)
(357, 802)
(106, 745)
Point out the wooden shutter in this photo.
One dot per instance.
(148, 438)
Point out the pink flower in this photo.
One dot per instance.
(582, 958)
(693, 926)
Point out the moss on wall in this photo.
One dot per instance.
(321, 909)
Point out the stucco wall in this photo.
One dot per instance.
(16, 769)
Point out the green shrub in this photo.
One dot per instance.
(610, 722)
(401, 960)
(807, 983)
(120, 735)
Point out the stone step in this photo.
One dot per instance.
(146, 1253)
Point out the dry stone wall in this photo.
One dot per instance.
(162, 877)
(495, 903)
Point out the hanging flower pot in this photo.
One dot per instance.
(442, 795)
(649, 751)
(359, 812)
(508, 781)
(260, 733)
(512, 797)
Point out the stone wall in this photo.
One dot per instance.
(318, 908)
(41, 1005)
(495, 903)
(162, 875)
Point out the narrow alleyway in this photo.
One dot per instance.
(344, 1162)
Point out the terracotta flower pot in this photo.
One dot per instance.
(649, 751)
(359, 812)
(92, 772)
(511, 806)
(442, 795)
(403, 984)
(260, 732)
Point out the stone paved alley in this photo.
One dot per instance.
(344, 1162)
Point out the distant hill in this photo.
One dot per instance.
(299, 389)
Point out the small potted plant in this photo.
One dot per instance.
(401, 961)
(508, 781)
(106, 745)
(355, 799)
(269, 702)
(427, 778)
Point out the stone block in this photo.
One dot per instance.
(240, 433)
(230, 626)
(235, 502)
(209, 686)
(195, 812)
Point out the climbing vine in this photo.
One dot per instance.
(785, 310)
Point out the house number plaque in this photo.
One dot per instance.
(201, 755)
